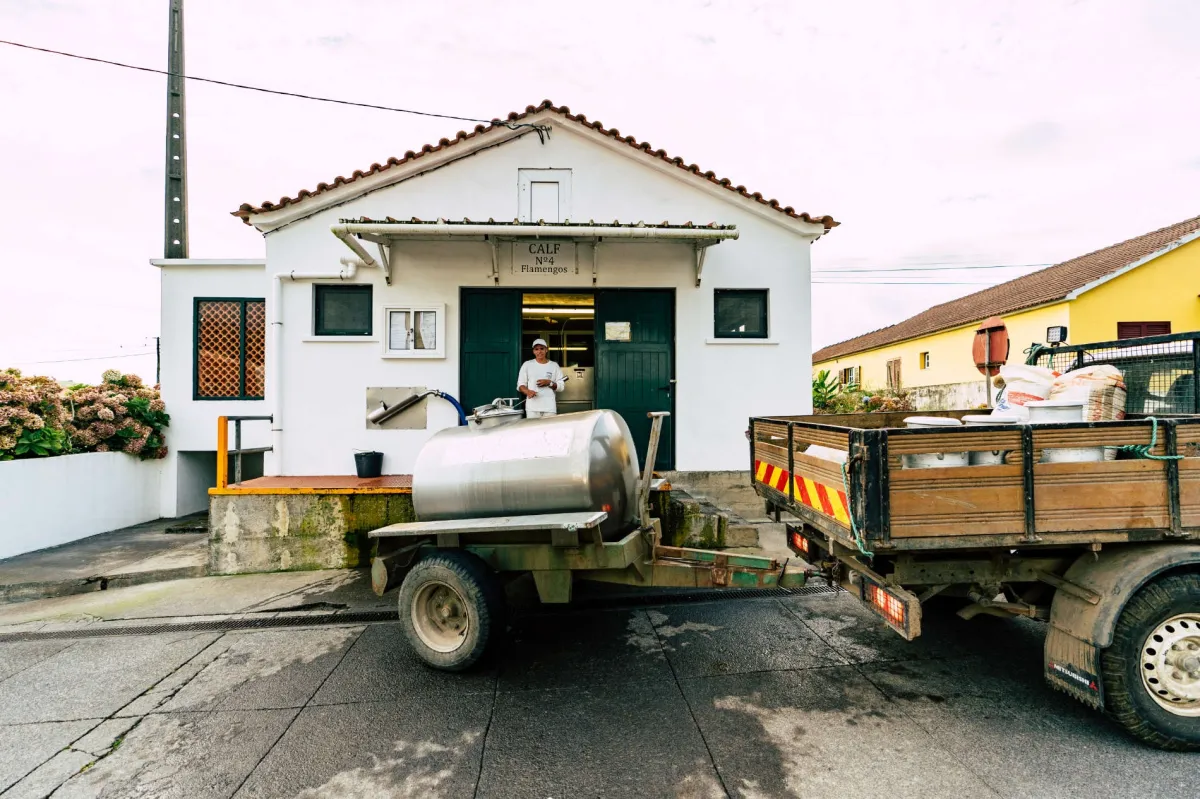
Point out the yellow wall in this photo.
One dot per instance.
(1164, 289)
(950, 351)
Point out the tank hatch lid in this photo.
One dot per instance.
(497, 412)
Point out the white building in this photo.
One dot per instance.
(659, 287)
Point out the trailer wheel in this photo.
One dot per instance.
(1152, 670)
(449, 605)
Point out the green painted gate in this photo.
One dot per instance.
(637, 376)
(491, 345)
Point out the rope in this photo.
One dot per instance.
(858, 539)
(1143, 450)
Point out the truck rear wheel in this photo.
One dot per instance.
(449, 606)
(1152, 670)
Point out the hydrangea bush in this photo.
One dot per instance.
(39, 418)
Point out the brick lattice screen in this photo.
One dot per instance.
(256, 328)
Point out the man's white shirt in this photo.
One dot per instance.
(531, 372)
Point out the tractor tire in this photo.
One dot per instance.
(450, 605)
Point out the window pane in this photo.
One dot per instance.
(343, 311)
(256, 349)
(218, 348)
(425, 330)
(398, 330)
(740, 314)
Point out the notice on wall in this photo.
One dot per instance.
(544, 259)
(617, 331)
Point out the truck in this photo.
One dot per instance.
(1106, 552)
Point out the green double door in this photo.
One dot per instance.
(635, 353)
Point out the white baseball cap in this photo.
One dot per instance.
(542, 342)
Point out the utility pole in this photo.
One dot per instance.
(175, 243)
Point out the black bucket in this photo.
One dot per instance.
(368, 464)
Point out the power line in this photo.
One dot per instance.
(899, 283)
(96, 358)
(264, 91)
(926, 268)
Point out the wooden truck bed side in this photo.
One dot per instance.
(1022, 502)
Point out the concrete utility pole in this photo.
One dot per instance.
(175, 242)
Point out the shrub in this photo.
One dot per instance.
(31, 416)
(38, 418)
(831, 397)
(119, 415)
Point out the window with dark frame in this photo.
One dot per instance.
(740, 313)
(230, 349)
(1139, 329)
(342, 310)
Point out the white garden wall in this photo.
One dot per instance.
(45, 502)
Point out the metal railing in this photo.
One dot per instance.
(1162, 373)
(223, 450)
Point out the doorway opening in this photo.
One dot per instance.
(567, 322)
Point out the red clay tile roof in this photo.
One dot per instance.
(1045, 286)
(247, 210)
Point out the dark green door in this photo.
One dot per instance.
(491, 345)
(635, 377)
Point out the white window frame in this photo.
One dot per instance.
(926, 360)
(527, 177)
(440, 331)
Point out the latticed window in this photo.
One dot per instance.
(230, 348)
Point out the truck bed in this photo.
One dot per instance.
(1023, 502)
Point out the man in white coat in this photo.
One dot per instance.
(539, 380)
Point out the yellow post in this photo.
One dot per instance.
(222, 451)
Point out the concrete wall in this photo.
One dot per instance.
(951, 396)
(45, 502)
(323, 381)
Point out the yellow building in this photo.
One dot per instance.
(1148, 285)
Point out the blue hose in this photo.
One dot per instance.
(462, 415)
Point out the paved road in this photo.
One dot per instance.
(798, 696)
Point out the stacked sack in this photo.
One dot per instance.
(1101, 391)
(1020, 384)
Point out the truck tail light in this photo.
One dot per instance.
(890, 607)
(799, 543)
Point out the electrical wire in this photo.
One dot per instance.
(925, 268)
(297, 95)
(96, 358)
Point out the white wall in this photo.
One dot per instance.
(193, 425)
(45, 502)
(720, 385)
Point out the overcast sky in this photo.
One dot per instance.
(947, 133)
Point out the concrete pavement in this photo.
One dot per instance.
(794, 695)
(144, 553)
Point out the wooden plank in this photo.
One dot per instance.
(769, 453)
(1095, 437)
(962, 440)
(1189, 491)
(1122, 495)
(962, 501)
(803, 436)
(820, 470)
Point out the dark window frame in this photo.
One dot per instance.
(764, 294)
(321, 289)
(241, 396)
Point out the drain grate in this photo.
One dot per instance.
(100, 630)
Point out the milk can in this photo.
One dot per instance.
(933, 460)
(984, 457)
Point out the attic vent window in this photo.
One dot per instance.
(544, 195)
